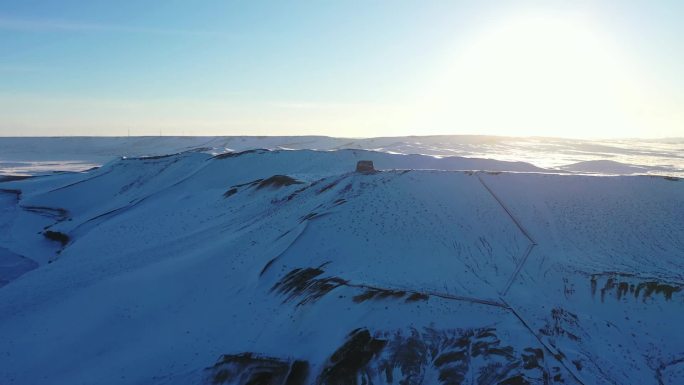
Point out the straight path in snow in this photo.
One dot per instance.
(515, 274)
(434, 294)
(527, 235)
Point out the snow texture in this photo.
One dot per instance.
(287, 267)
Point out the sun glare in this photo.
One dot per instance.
(535, 75)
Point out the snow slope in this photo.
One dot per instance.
(287, 267)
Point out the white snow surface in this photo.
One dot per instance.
(31, 156)
(173, 261)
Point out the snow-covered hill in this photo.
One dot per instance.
(33, 156)
(287, 267)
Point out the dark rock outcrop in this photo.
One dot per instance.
(278, 181)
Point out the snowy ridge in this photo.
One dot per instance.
(35, 156)
(288, 267)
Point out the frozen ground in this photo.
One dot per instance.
(287, 267)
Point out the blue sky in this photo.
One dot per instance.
(342, 68)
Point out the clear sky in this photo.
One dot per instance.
(342, 68)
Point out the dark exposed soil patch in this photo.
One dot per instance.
(55, 213)
(278, 181)
(307, 284)
(457, 353)
(402, 357)
(417, 297)
(378, 294)
(266, 266)
(299, 372)
(457, 356)
(252, 369)
(629, 285)
(345, 365)
(298, 191)
(654, 287)
(561, 324)
(251, 183)
(578, 364)
(308, 216)
(230, 192)
(57, 236)
(328, 187)
(533, 358)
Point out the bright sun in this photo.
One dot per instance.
(536, 75)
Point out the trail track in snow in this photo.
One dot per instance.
(527, 235)
(515, 274)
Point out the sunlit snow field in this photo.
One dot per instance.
(32, 156)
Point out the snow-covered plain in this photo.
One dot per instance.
(287, 267)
